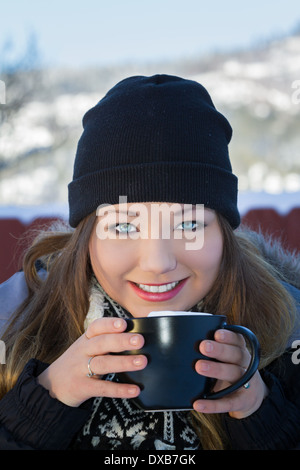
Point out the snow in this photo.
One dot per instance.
(282, 203)
(26, 214)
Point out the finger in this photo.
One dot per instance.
(230, 403)
(239, 404)
(230, 337)
(106, 388)
(102, 365)
(225, 352)
(113, 343)
(105, 325)
(218, 370)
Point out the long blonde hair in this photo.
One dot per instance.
(52, 316)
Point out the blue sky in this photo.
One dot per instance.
(91, 32)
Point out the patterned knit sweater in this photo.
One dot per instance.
(117, 423)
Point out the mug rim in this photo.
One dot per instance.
(176, 313)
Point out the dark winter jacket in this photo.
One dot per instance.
(31, 419)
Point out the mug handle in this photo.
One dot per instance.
(255, 356)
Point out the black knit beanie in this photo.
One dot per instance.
(154, 139)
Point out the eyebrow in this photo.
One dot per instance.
(184, 210)
(134, 214)
(130, 214)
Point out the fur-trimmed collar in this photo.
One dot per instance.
(287, 263)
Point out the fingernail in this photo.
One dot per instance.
(134, 340)
(221, 335)
(137, 361)
(204, 366)
(199, 407)
(118, 323)
(132, 390)
(208, 346)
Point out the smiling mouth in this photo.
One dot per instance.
(158, 292)
(157, 289)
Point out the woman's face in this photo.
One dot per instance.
(149, 258)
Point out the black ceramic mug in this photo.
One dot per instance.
(170, 381)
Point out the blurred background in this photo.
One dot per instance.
(58, 58)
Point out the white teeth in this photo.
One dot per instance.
(158, 289)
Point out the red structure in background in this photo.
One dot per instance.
(283, 227)
(15, 235)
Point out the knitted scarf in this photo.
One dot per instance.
(119, 424)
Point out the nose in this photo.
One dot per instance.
(157, 256)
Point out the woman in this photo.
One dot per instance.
(150, 143)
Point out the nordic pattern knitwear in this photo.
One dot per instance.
(119, 424)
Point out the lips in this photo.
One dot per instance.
(158, 292)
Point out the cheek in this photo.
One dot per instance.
(99, 257)
(207, 260)
(108, 262)
(213, 255)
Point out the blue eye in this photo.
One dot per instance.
(125, 228)
(190, 225)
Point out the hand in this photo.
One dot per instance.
(230, 349)
(66, 378)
